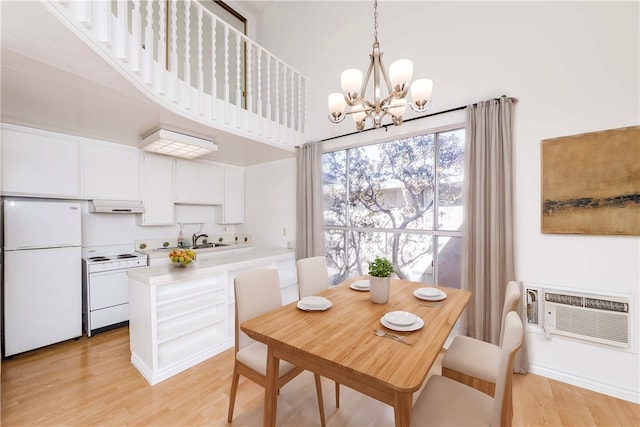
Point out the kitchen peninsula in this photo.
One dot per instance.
(181, 316)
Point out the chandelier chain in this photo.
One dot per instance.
(375, 21)
(393, 104)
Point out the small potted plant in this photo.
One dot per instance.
(380, 270)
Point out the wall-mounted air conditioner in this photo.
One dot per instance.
(597, 318)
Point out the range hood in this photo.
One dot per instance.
(116, 206)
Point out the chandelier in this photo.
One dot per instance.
(393, 104)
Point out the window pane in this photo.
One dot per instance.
(451, 179)
(336, 255)
(414, 257)
(449, 261)
(391, 184)
(381, 200)
(365, 247)
(334, 187)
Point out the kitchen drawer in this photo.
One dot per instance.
(191, 304)
(109, 316)
(173, 293)
(186, 325)
(108, 288)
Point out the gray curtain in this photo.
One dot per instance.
(310, 214)
(487, 255)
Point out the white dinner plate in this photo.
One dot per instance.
(360, 285)
(419, 323)
(429, 292)
(436, 298)
(400, 318)
(314, 303)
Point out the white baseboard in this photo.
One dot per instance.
(586, 383)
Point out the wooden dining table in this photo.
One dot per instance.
(340, 343)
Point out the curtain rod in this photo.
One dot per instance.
(413, 118)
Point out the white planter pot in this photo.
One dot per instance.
(379, 289)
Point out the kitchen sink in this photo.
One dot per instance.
(210, 245)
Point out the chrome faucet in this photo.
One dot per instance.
(196, 237)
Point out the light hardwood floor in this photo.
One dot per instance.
(91, 382)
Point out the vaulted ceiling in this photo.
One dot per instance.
(51, 80)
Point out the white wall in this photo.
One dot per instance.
(270, 209)
(574, 67)
(101, 229)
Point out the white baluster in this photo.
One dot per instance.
(269, 112)
(277, 92)
(148, 44)
(285, 113)
(161, 66)
(200, 65)
(104, 22)
(173, 47)
(122, 29)
(134, 48)
(292, 105)
(259, 82)
(187, 54)
(239, 99)
(84, 11)
(214, 80)
(248, 89)
(226, 73)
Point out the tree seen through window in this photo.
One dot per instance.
(400, 199)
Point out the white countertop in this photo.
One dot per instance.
(169, 273)
(164, 252)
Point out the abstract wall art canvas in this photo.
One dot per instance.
(591, 183)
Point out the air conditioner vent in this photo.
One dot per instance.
(601, 319)
(602, 304)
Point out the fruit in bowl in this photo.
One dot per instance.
(182, 257)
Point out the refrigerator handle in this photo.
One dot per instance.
(22, 248)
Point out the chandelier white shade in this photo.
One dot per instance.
(376, 108)
(177, 144)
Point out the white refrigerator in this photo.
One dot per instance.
(42, 273)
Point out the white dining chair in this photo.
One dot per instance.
(446, 402)
(313, 278)
(258, 292)
(474, 362)
(313, 275)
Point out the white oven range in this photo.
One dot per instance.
(105, 286)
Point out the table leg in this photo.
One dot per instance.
(271, 389)
(402, 409)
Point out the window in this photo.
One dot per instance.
(400, 199)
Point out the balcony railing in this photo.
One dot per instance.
(193, 63)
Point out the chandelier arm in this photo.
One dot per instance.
(420, 108)
(337, 119)
(365, 82)
(385, 75)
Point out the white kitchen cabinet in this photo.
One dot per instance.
(39, 163)
(157, 190)
(198, 183)
(110, 171)
(233, 205)
(177, 325)
(179, 317)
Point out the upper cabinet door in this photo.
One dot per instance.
(38, 163)
(212, 184)
(188, 185)
(233, 206)
(157, 190)
(199, 183)
(110, 171)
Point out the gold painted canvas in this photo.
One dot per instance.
(591, 183)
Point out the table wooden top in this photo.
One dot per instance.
(342, 338)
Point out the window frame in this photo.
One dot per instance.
(434, 233)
